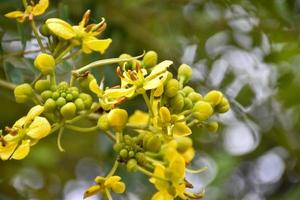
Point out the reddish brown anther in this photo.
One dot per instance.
(11, 131)
(119, 72)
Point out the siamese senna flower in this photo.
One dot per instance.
(30, 11)
(82, 34)
(103, 184)
(26, 132)
(138, 81)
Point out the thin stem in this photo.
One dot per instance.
(76, 53)
(36, 34)
(36, 79)
(192, 123)
(77, 118)
(24, 3)
(61, 130)
(108, 195)
(60, 57)
(53, 79)
(110, 135)
(81, 129)
(147, 101)
(113, 169)
(104, 62)
(7, 85)
(119, 137)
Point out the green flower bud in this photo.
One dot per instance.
(150, 59)
(103, 122)
(131, 165)
(177, 102)
(23, 93)
(223, 106)
(42, 85)
(214, 97)
(63, 94)
(45, 63)
(153, 144)
(117, 119)
(46, 94)
(185, 72)
(194, 97)
(124, 55)
(53, 88)
(212, 126)
(63, 85)
(61, 101)
(87, 100)
(165, 115)
(69, 97)
(49, 105)
(75, 93)
(55, 95)
(188, 104)
(187, 90)
(44, 30)
(131, 154)
(140, 157)
(171, 88)
(183, 144)
(118, 147)
(68, 111)
(124, 154)
(202, 110)
(84, 82)
(79, 104)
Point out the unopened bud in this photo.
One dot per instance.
(150, 59)
(153, 144)
(68, 111)
(165, 115)
(103, 122)
(202, 110)
(183, 144)
(171, 88)
(42, 85)
(131, 165)
(23, 93)
(185, 72)
(177, 102)
(45, 63)
(214, 97)
(212, 126)
(117, 118)
(223, 106)
(194, 97)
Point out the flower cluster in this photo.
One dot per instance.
(154, 141)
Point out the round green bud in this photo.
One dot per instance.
(103, 122)
(131, 154)
(223, 106)
(131, 165)
(117, 119)
(118, 147)
(53, 88)
(153, 144)
(45, 63)
(46, 94)
(124, 55)
(68, 111)
(63, 84)
(177, 102)
(79, 104)
(188, 104)
(75, 93)
(185, 72)
(84, 82)
(124, 154)
(194, 97)
(23, 93)
(187, 90)
(44, 30)
(61, 101)
(55, 95)
(183, 144)
(150, 59)
(214, 97)
(87, 100)
(171, 88)
(140, 157)
(42, 85)
(49, 105)
(69, 97)
(63, 94)
(202, 110)
(212, 126)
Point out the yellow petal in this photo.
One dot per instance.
(155, 82)
(161, 67)
(181, 129)
(118, 187)
(177, 168)
(14, 14)
(139, 118)
(189, 155)
(39, 128)
(61, 28)
(40, 8)
(92, 43)
(162, 195)
(111, 180)
(91, 191)
(7, 150)
(33, 112)
(120, 92)
(94, 87)
(159, 90)
(22, 151)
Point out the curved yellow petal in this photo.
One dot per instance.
(119, 92)
(33, 112)
(14, 14)
(7, 150)
(159, 68)
(39, 128)
(22, 151)
(40, 8)
(155, 82)
(162, 195)
(61, 28)
(94, 87)
(91, 191)
(92, 43)
(139, 118)
(181, 129)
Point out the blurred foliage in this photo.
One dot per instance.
(248, 49)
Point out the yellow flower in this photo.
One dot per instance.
(113, 183)
(30, 11)
(26, 132)
(137, 81)
(139, 118)
(82, 34)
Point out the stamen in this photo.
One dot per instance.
(119, 72)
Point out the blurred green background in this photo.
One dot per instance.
(247, 49)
